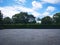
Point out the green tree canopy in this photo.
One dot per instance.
(56, 18)
(46, 20)
(31, 19)
(38, 19)
(22, 17)
(1, 17)
(7, 20)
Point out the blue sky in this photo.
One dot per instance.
(39, 8)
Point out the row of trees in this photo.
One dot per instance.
(54, 20)
(25, 18)
(21, 17)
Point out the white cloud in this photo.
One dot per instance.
(50, 9)
(46, 14)
(11, 10)
(51, 1)
(29, 10)
(20, 1)
(36, 5)
(36, 14)
(24, 9)
(8, 11)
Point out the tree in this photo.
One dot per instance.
(7, 20)
(31, 19)
(56, 18)
(1, 17)
(38, 19)
(22, 17)
(46, 20)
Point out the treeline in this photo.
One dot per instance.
(25, 20)
(20, 18)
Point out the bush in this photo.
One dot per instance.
(29, 26)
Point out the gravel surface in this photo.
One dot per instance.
(30, 37)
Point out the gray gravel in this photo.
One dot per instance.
(30, 37)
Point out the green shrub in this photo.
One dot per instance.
(30, 26)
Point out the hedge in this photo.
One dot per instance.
(29, 26)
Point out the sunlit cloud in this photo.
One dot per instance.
(51, 1)
(11, 10)
(20, 1)
(33, 7)
(36, 5)
(50, 9)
